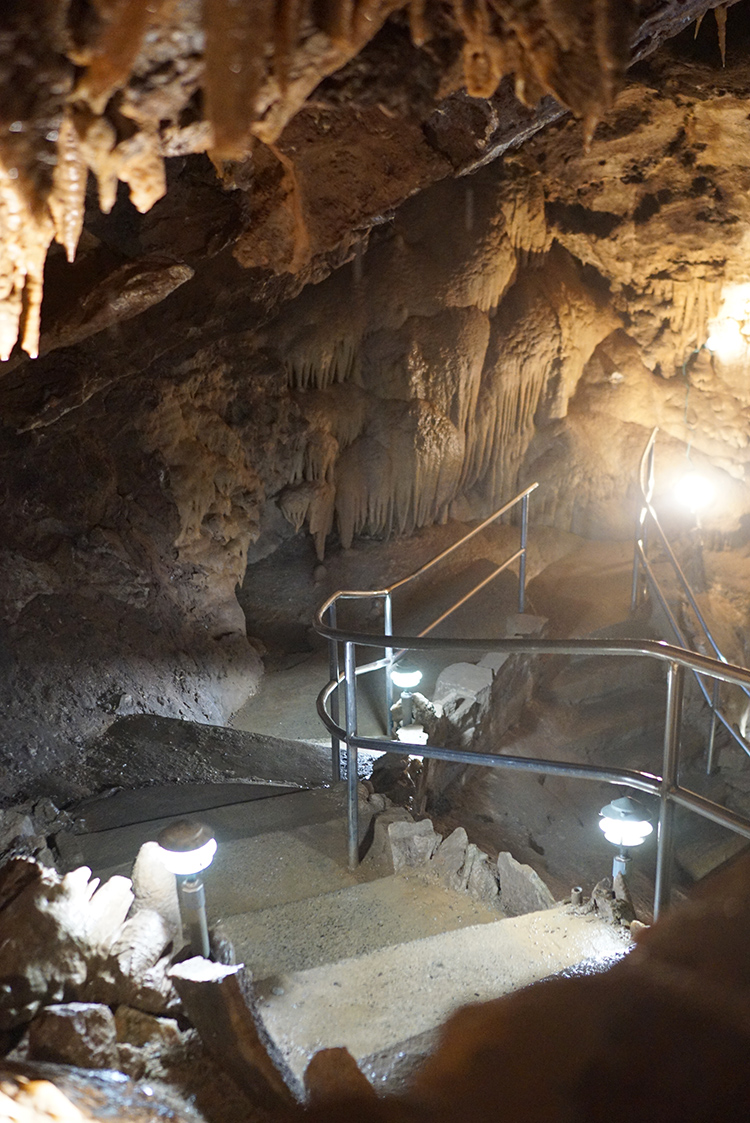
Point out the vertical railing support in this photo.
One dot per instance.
(636, 586)
(665, 838)
(333, 674)
(711, 754)
(522, 560)
(350, 678)
(641, 522)
(388, 630)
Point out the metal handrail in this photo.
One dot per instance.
(647, 516)
(667, 787)
(392, 656)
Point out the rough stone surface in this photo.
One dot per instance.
(155, 890)
(149, 1047)
(412, 844)
(75, 1033)
(450, 855)
(521, 888)
(462, 681)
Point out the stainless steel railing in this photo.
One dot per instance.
(667, 787)
(392, 655)
(645, 577)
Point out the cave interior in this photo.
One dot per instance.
(292, 295)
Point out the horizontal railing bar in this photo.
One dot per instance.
(468, 596)
(352, 594)
(643, 781)
(477, 529)
(710, 810)
(657, 649)
(640, 781)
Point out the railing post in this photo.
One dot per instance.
(711, 754)
(522, 560)
(333, 674)
(352, 778)
(635, 591)
(388, 630)
(665, 837)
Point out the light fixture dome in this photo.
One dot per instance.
(406, 676)
(186, 847)
(625, 822)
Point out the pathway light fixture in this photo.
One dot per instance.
(406, 677)
(625, 824)
(187, 848)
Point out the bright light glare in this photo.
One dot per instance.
(406, 677)
(187, 862)
(694, 491)
(412, 734)
(725, 339)
(625, 832)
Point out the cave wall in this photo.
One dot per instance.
(530, 321)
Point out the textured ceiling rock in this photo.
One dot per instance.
(118, 86)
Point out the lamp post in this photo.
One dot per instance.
(625, 824)
(406, 677)
(186, 848)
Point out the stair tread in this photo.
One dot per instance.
(375, 1003)
(297, 935)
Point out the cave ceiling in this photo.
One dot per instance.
(351, 268)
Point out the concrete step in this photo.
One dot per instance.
(386, 1006)
(354, 921)
(271, 850)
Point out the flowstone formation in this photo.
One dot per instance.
(278, 346)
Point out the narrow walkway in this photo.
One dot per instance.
(578, 585)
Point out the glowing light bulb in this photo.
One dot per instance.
(624, 823)
(725, 339)
(186, 848)
(406, 677)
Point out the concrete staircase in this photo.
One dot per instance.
(371, 959)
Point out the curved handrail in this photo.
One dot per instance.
(646, 478)
(666, 787)
(678, 660)
(657, 649)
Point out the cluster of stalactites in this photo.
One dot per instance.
(74, 70)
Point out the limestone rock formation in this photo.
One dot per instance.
(323, 331)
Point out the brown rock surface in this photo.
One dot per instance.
(277, 348)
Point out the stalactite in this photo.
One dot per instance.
(484, 60)
(720, 15)
(24, 240)
(236, 39)
(320, 367)
(253, 57)
(418, 25)
(286, 31)
(692, 304)
(67, 198)
(110, 57)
